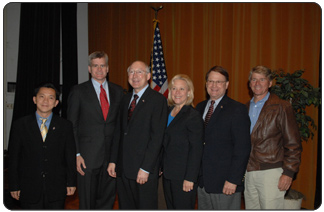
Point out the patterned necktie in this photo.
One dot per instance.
(132, 107)
(210, 112)
(43, 129)
(104, 102)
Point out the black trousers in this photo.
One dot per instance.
(43, 202)
(132, 195)
(96, 189)
(176, 198)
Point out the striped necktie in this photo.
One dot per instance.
(43, 129)
(132, 107)
(210, 112)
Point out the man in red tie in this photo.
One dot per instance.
(93, 109)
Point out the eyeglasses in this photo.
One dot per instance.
(211, 82)
(138, 72)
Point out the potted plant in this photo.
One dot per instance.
(301, 94)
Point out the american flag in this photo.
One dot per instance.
(159, 75)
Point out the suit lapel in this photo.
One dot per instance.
(125, 109)
(141, 102)
(35, 129)
(92, 96)
(112, 98)
(178, 117)
(202, 108)
(221, 105)
(52, 129)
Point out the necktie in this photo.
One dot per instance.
(210, 112)
(104, 102)
(132, 107)
(43, 129)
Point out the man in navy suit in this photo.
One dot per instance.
(227, 145)
(139, 142)
(42, 166)
(93, 108)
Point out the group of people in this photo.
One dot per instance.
(115, 142)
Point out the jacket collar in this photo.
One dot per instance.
(273, 99)
(179, 116)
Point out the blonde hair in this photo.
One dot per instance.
(189, 84)
(261, 70)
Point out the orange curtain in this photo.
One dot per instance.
(197, 36)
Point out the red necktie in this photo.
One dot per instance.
(210, 112)
(104, 102)
(132, 107)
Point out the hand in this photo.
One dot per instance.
(15, 194)
(229, 188)
(142, 177)
(187, 186)
(111, 170)
(284, 183)
(70, 191)
(79, 162)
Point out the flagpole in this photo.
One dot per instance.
(159, 78)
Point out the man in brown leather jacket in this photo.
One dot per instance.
(276, 145)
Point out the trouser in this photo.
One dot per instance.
(261, 190)
(132, 195)
(213, 201)
(96, 189)
(176, 198)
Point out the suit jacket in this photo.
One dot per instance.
(93, 135)
(183, 145)
(227, 145)
(140, 140)
(31, 161)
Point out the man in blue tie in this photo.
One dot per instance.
(42, 155)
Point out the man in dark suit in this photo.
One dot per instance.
(140, 139)
(227, 145)
(93, 108)
(42, 155)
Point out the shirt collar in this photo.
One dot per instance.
(39, 118)
(139, 94)
(216, 101)
(97, 84)
(262, 100)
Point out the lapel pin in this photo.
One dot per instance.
(143, 100)
(53, 128)
(221, 106)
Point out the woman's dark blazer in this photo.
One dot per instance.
(183, 145)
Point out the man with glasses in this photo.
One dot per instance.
(227, 145)
(143, 118)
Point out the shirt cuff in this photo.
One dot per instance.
(144, 171)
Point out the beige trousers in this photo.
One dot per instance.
(261, 190)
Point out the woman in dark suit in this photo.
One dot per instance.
(183, 145)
